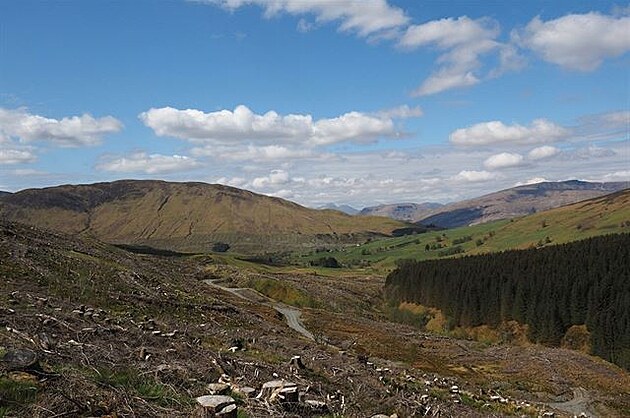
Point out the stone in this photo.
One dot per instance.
(230, 411)
(218, 388)
(210, 406)
(21, 360)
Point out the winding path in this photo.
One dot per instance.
(579, 404)
(291, 314)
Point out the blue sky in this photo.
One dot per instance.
(357, 102)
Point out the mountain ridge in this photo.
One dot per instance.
(407, 211)
(519, 201)
(183, 216)
(503, 204)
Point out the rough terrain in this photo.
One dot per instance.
(123, 334)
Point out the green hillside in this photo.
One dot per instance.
(603, 215)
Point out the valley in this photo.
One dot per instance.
(132, 330)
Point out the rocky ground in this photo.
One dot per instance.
(87, 329)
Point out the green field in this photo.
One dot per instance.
(603, 215)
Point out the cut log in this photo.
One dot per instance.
(272, 388)
(210, 406)
(218, 388)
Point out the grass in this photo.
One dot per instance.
(282, 292)
(144, 386)
(605, 215)
(16, 393)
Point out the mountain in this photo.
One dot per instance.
(408, 212)
(185, 216)
(518, 201)
(347, 209)
(4, 193)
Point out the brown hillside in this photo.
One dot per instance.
(184, 216)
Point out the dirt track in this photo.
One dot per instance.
(291, 314)
(578, 405)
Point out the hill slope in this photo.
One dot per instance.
(183, 216)
(608, 214)
(516, 201)
(408, 212)
(120, 334)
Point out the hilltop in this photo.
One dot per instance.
(185, 216)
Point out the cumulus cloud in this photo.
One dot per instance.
(472, 176)
(462, 42)
(234, 181)
(275, 177)
(577, 41)
(227, 127)
(545, 151)
(252, 153)
(364, 17)
(16, 156)
(503, 160)
(493, 132)
(594, 151)
(74, 131)
(142, 162)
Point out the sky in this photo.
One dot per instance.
(358, 102)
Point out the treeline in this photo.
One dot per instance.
(549, 289)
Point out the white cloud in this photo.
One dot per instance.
(534, 180)
(462, 42)
(226, 127)
(503, 160)
(275, 177)
(472, 176)
(149, 163)
(401, 112)
(540, 153)
(364, 17)
(16, 156)
(594, 151)
(234, 181)
(283, 194)
(621, 118)
(577, 41)
(540, 131)
(623, 175)
(74, 131)
(252, 153)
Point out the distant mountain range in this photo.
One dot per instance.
(408, 212)
(518, 201)
(185, 216)
(347, 209)
(505, 204)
